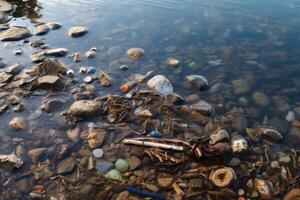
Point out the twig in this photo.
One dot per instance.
(153, 144)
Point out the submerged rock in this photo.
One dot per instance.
(161, 85)
(73, 134)
(52, 105)
(18, 123)
(53, 25)
(121, 165)
(113, 175)
(14, 33)
(135, 53)
(41, 29)
(10, 162)
(260, 99)
(173, 62)
(57, 52)
(90, 53)
(104, 166)
(77, 31)
(36, 154)
(240, 86)
(202, 107)
(96, 137)
(105, 79)
(199, 81)
(85, 108)
(38, 57)
(66, 166)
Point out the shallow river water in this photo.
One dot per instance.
(248, 50)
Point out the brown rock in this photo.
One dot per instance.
(134, 162)
(14, 34)
(165, 182)
(73, 134)
(152, 187)
(18, 123)
(77, 31)
(41, 29)
(66, 166)
(123, 196)
(96, 137)
(50, 82)
(135, 53)
(36, 154)
(85, 108)
(105, 79)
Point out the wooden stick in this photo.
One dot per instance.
(153, 144)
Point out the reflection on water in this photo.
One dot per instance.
(248, 50)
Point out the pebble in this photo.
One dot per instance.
(105, 80)
(14, 34)
(260, 99)
(97, 153)
(85, 108)
(290, 116)
(240, 86)
(91, 70)
(77, 31)
(135, 53)
(76, 57)
(41, 29)
(121, 165)
(173, 62)
(53, 25)
(113, 175)
(66, 166)
(133, 162)
(90, 54)
(52, 105)
(123, 67)
(82, 70)
(199, 81)
(104, 166)
(88, 79)
(36, 154)
(165, 182)
(18, 123)
(215, 63)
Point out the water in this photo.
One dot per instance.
(225, 41)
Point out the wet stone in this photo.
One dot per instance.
(57, 52)
(96, 137)
(77, 31)
(198, 81)
(260, 99)
(133, 162)
(294, 136)
(240, 86)
(165, 182)
(105, 79)
(36, 154)
(103, 166)
(53, 25)
(18, 123)
(135, 53)
(52, 105)
(14, 34)
(50, 82)
(41, 29)
(66, 166)
(85, 108)
(14, 69)
(73, 134)
(90, 54)
(6, 6)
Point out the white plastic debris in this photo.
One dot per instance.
(290, 116)
(161, 85)
(98, 153)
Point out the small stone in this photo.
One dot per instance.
(152, 187)
(165, 182)
(113, 175)
(76, 57)
(97, 153)
(105, 79)
(82, 70)
(240, 86)
(264, 188)
(77, 31)
(90, 54)
(275, 165)
(173, 62)
(91, 70)
(18, 123)
(202, 107)
(103, 166)
(41, 29)
(199, 81)
(14, 34)
(290, 116)
(85, 108)
(135, 53)
(18, 52)
(52, 105)
(88, 79)
(38, 57)
(53, 25)
(70, 73)
(123, 67)
(175, 98)
(121, 165)
(36, 154)
(66, 166)
(124, 196)
(133, 162)
(260, 99)
(57, 52)
(96, 137)
(73, 134)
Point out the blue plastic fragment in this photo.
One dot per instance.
(91, 70)
(155, 134)
(145, 193)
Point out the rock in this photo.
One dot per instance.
(165, 182)
(49, 67)
(85, 108)
(152, 187)
(77, 31)
(290, 116)
(297, 110)
(240, 86)
(73, 134)
(239, 144)
(5, 77)
(3, 17)
(50, 82)
(10, 162)
(114, 52)
(173, 62)
(264, 188)
(279, 124)
(240, 123)
(24, 185)
(38, 57)
(52, 105)
(53, 25)
(121, 165)
(135, 53)
(133, 162)
(14, 69)
(161, 85)
(202, 107)
(96, 137)
(175, 98)
(41, 29)
(199, 81)
(57, 52)
(90, 53)
(104, 166)
(260, 99)
(36, 154)
(281, 103)
(113, 175)
(123, 196)
(105, 79)
(14, 34)
(76, 57)
(293, 194)
(123, 67)
(18, 123)
(294, 136)
(66, 166)
(6, 6)
(18, 52)
(222, 177)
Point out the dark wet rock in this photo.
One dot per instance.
(240, 86)
(105, 79)
(66, 166)
(24, 185)
(281, 103)
(279, 124)
(77, 31)
(73, 134)
(53, 25)
(90, 53)
(104, 166)
(199, 81)
(294, 136)
(14, 69)
(3, 17)
(96, 137)
(36, 43)
(50, 82)
(135, 53)
(6, 6)
(202, 107)
(123, 196)
(114, 52)
(85, 108)
(240, 123)
(38, 57)
(52, 105)
(41, 29)
(57, 52)
(37, 154)
(14, 34)
(18, 123)
(175, 98)
(260, 99)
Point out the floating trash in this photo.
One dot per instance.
(123, 67)
(91, 70)
(155, 134)
(88, 79)
(70, 73)
(128, 86)
(97, 153)
(161, 85)
(82, 70)
(18, 52)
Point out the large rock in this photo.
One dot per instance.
(50, 82)
(77, 31)
(38, 57)
(41, 29)
(49, 67)
(5, 6)
(161, 85)
(14, 34)
(85, 108)
(36, 154)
